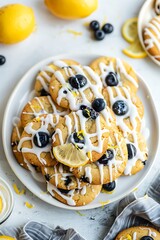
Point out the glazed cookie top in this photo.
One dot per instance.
(110, 166)
(139, 233)
(87, 133)
(44, 76)
(115, 72)
(137, 153)
(75, 197)
(61, 177)
(38, 106)
(35, 142)
(151, 36)
(73, 86)
(127, 107)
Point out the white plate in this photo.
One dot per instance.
(19, 98)
(146, 13)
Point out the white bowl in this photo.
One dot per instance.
(19, 98)
(146, 13)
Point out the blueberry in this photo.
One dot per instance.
(98, 104)
(63, 191)
(65, 92)
(44, 92)
(89, 113)
(15, 143)
(120, 108)
(94, 25)
(99, 35)
(144, 162)
(111, 79)
(47, 177)
(78, 81)
(78, 138)
(106, 157)
(131, 151)
(68, 181)
(146, 238)
(2, 60)
(109, 186)
(82, 107)
(41, 139)
(85, 179)
(107, 28)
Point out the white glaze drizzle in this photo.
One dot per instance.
(150, 233)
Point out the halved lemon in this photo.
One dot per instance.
(70, 156)
(6, 238)
(129, 30)
(135, 50)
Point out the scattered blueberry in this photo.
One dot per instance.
(120, 108)
(109, 186)
(99, 35)
(98, 104)
(65, 92)
(94, 25)
(2, 60)
(78, 81)
(44, 92)
(41, 139)
(82, 107)
(47, 177)
(146, 238)
(85, 179)
(89, 113)
(77, 139)
(107, 28)
(68, 180)
(15, 143)
(106, 157)
(111, 79)
(63, 191)
(131, 151)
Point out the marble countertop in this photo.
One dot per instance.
(52, 38)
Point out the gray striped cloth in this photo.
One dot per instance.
(131, 211)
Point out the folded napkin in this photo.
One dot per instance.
(131, 211)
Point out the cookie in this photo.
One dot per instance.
(115, 72)
(61, 177)
(127, 107)
(137, 153)
(75, 197)
(15, 138)
(110, 166)
(35, 142)
(90, 134)
(151, 37)
(44, 76)
(76, 85)
(38, 106)
(139, 233)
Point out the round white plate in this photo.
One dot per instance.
(18, 99)
(146, 13)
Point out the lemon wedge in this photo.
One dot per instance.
(135, 50)
(129, 30)
(6, 238)
(70, 156)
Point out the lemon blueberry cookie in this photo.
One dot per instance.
(151, 37)
(44, 76)
(139, 233)
(110, 166)
(115, 72)
(75, 197)
(38, 106)
(90, 135)
(76, 85)
(35, 141)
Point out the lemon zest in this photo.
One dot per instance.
(129, 237)
(134, 189)
(79, 213)
(89, 155)
(17, 191)
(105, 191)
(104, 203)
(29, 205)
(75, 33)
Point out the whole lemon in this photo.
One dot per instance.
(71, 9)
(17, 22)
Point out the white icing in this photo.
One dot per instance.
(134, 236)
(88, 174)
(150, 233)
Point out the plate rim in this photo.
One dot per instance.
(4, 124)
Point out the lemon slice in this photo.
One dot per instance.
(6, 238)
(135, 50)
(129, 30)
(70, 156)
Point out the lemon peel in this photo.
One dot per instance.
(17, 191)
(29, 205)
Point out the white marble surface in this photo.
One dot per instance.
(52, 38)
